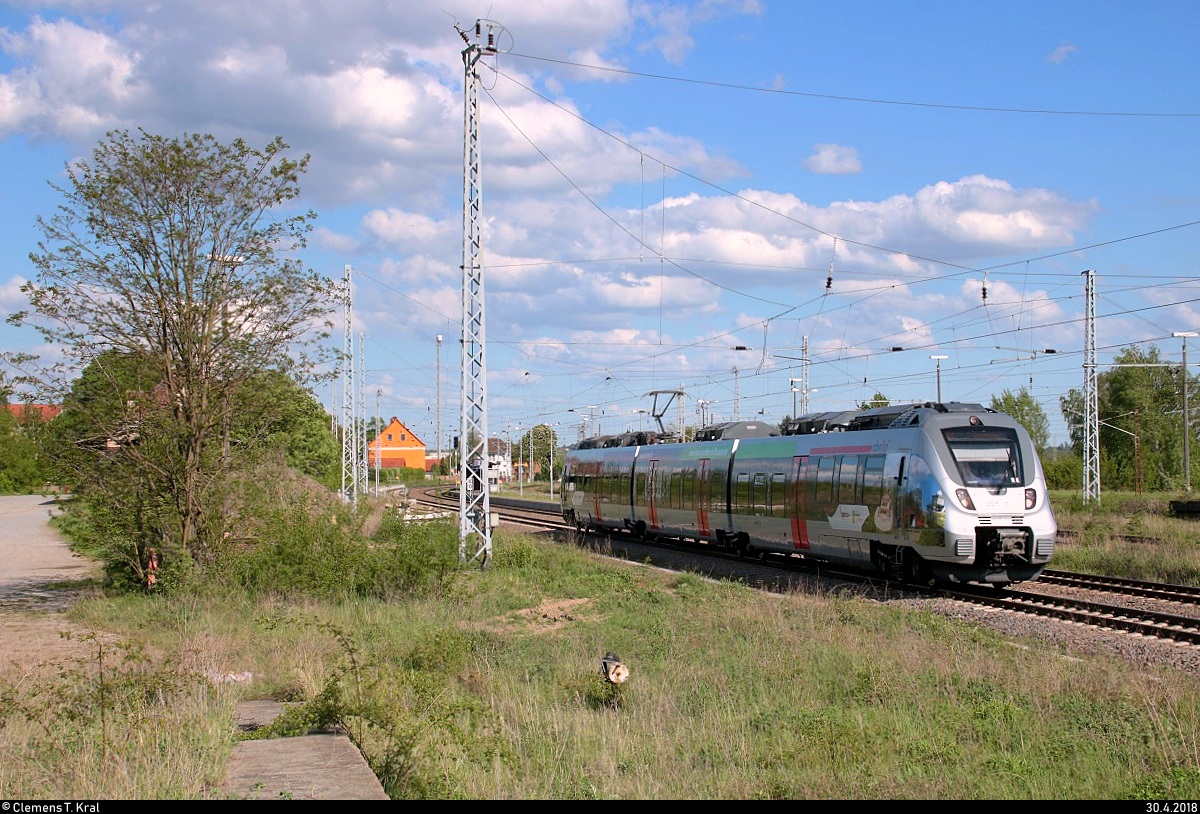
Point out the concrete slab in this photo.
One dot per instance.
(308, 767)
(323, 766)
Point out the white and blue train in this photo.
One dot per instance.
(925, 493)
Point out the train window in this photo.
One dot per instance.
(741, 493)
(778, 495)
(872, 490)
(673, 498)
(688, 496)
(716, 488)
(759, 499)
(825, 496)
(849, 490)
(986, 456)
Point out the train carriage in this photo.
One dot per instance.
(924, 492)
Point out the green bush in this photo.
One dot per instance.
(302, 552)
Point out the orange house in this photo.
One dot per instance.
(397, 446)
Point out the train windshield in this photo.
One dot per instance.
(986, 456)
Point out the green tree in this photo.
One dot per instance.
(1139, 406)
(275, 411)
(1023, 407)
(22, 470)
(877, 400)
(173, 252)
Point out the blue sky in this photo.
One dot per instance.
(666, 182)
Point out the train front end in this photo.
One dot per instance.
(987, 501)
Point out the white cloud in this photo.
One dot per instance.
(833, 159)
(77, 80)
(12, 299)
(1060, 54)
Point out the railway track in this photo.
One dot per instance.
(1160, 611)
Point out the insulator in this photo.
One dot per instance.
(985, 293)
(829, 282)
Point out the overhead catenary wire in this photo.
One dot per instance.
(1026, 306)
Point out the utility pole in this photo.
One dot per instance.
(804, 376)
(439, 401)
(939, 358)
(737, 398)
(474, 501)
(1187, 432)
(553, 441)
(378, 440)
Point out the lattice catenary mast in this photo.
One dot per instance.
(1091, 402)
(349, 407)
(360, 373)
(474, 504)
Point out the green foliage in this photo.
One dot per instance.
(307, 552)
(1140, 421)
(1026, 410)
(877, 400)
(1063, 469)
(24, 469)
(595, 692)
(274, 406)
(166, 253)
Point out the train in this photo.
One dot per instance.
(925, 493)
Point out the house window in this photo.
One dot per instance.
(389, 436)
(403, 436)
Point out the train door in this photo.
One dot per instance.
(906, 518)
(887, 515)
(652, 493)
(599, 491)
(796, 502)
(703, 497)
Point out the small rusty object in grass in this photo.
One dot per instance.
(612, 669)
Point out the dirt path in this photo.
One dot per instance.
(37, 570)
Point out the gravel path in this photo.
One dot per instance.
(39, 578)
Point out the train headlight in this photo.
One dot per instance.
(965, 499)
(1030, 499)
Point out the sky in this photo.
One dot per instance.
(676, 196)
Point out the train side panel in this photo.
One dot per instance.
(956, 495)
(679, 490)
(595, 488)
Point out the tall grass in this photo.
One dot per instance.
(466, 683)
(1127, 534)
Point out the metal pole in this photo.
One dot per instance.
(939, 359)
(1187, 430)
(378, 440)
(439, 403)
(1187, 463)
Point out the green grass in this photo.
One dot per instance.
(1127, 534)
(486, 684)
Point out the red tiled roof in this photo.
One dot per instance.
(45, 411)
